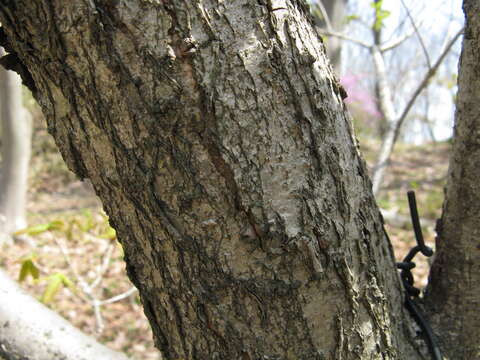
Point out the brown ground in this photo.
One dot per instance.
(79, 244)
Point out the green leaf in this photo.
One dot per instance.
(88, 224)
(55, 283)
(34, 271)
(28, 268)
(41, 228)
(69, 284)
(109, 234)
(414, 184)
(24, 271)
(380, 14)
(351, 18)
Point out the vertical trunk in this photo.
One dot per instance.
(454, 289)
(15, 151)
(389, 116)
(217, 139)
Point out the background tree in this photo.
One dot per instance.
(16, 136)
(217, 139)
(392, 116)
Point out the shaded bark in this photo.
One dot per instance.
(453, 296)
(31, 331)
(217, 139)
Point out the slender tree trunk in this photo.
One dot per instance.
(16, 137)
(218, 141)
(387, 109)
(454, 290)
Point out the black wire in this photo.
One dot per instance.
(426, 329)
(408, 281)
(412, 202)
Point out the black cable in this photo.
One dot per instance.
(406, 275)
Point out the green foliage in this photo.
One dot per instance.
(351, 18)
(73, 228)
(41, 228)
(28, 268)
(109, 234)
(380, 14)
(414, 185)
(55, 283)
(88, 222)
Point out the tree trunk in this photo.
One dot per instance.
(217, 139)
(16, 137)
(453, 294)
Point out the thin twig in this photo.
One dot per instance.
(104, 266)
(119, 297)
(420, 39)
(430, 73)
(88, 289)
(325, 16)
(345, 37)
(80, 280)
(99, 323)
(392, 44)
(391, 137)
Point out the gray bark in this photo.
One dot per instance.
(217, 139)
(31, 331)
(453, 296)
(16, 136)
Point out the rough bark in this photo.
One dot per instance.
(16, 136)
(454, 290)
(31, 331)
(216, 137)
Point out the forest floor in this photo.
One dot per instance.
(72, 238)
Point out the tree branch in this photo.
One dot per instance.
(430, 73)
(345, 37)
(420, 39)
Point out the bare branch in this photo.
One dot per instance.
(119, 297)
(430, 73)
(325, 16)
(420, 39)
(392, 44)
(104, 266)
(99, 323)
(83, 284)
(345, 37)
(393, 132)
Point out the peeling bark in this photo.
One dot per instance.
(216, 137)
